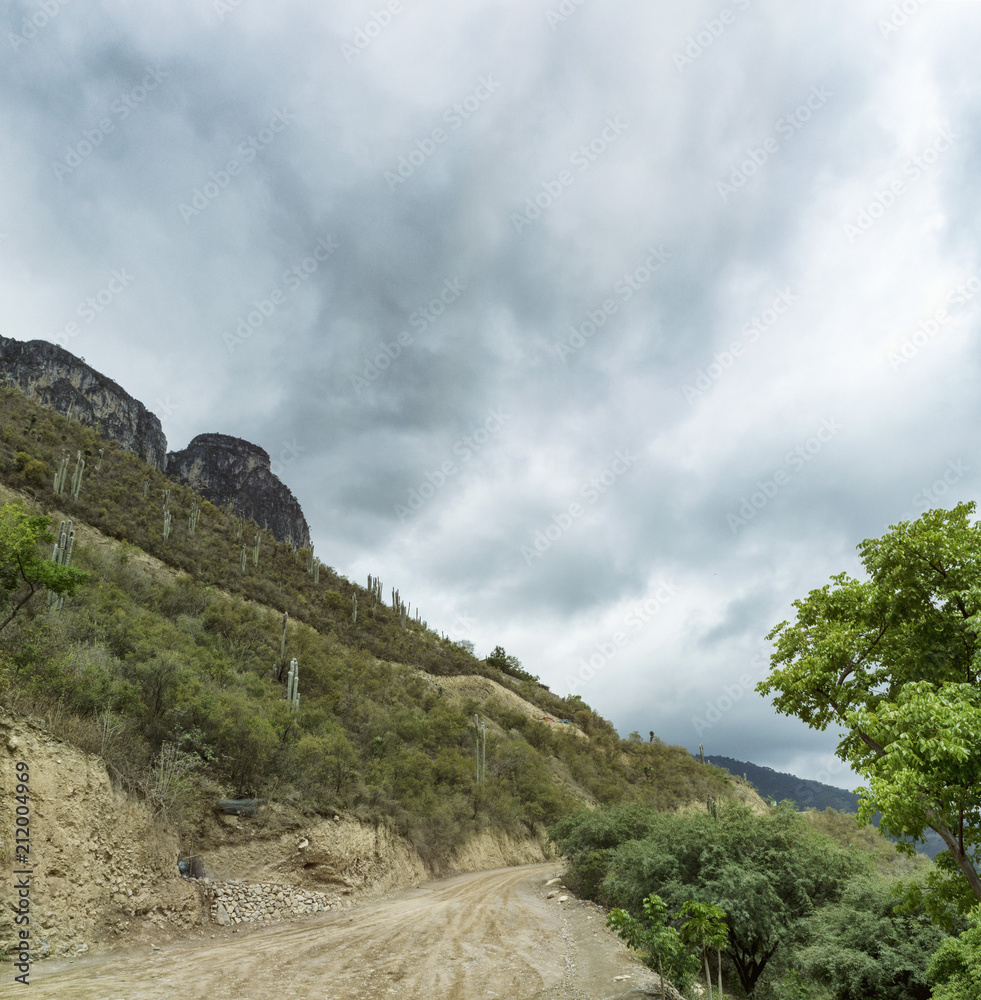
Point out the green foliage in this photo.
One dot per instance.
(183, 656)
(661, 946)
(956, 966)
(23, 571)
(863, 948)
(894, 660)
(768, 873)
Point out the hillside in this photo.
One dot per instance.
(807, 794)
(169, 669)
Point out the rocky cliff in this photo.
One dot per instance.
(226, 469)
(54, 377)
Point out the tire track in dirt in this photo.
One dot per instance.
(469, 937)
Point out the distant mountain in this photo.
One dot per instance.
(807, 794)
(777, 785)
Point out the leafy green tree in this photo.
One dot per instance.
(661, 945)
(956, 965)
(894, 660)
(23, 572)
(768, 873)
(865, 947)
(705, 927)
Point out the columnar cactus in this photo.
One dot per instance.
(62, 474)
(192, 521)
(77, 477)
(62, 555)
(354, 611)
(167, 523)
(98, 465)
(293, 686)
(243, 558)
(255, 551)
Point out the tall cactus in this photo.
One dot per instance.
(146, 488)
(98, 465)
(293, 686)
(167, 523)
(77, 477)
(192, 521)
(62, 555)
(255, 551)
(244, 557)
(280, 666)
(354, 611)
(62, 474)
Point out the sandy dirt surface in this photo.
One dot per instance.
(469, 937)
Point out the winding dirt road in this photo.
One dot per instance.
(470, 937)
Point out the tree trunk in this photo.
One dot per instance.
(708, 972)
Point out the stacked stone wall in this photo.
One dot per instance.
(261, 902)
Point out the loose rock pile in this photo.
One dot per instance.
(262, 902)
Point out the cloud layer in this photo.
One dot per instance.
(602, 331)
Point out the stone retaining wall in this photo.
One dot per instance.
(261, 902)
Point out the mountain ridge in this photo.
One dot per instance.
(223, 468)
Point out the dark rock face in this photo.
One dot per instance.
(54, 377)
(226, 469)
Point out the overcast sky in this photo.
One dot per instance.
(601, 329)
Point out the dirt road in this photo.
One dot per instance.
(471, 937)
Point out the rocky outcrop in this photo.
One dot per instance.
(54, 377)
(226, 469)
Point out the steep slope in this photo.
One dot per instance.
(54, 377)
(168, 665)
